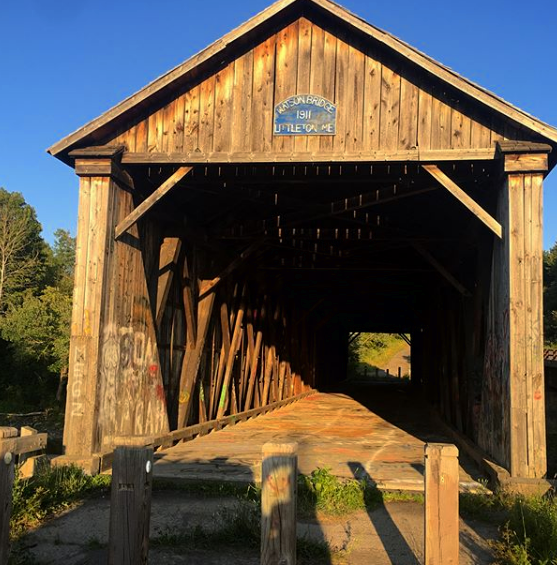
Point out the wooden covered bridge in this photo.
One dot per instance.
(306, 176)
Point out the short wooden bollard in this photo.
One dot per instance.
(441, 504)
(130, 505)
(279, 473)
(6, 485)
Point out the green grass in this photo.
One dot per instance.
(371, 350)
(49, 491)
(323, 492)
(529, 536)
(211, 489)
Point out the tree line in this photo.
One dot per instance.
(36, 283)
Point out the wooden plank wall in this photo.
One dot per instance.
(131, 389)
(382, 107)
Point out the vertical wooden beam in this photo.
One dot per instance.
(113, 345)
(441, 504)
(130, 506)
(6, 483)
(97, 197)
(512, 427)
(279, 473)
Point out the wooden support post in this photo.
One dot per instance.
(441, 504)
(512, 425)
(112, 314)
(278, 504)
(6, 484)
(130, 505)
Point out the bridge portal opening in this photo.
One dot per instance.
(379, 357)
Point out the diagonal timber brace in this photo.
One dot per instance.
(150, 201)
(208, 286)
(440, 269)
(464, 199)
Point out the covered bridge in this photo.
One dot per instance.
(305, 176)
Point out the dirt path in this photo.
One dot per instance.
(400, 359)
(391, 533)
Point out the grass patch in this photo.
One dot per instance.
(52, 489)
(486, 506)
(529, 536)
(321, 491)
(211, 489)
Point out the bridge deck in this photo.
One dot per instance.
(368, 431)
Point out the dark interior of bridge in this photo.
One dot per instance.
(379, 247)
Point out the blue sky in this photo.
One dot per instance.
(63, 63)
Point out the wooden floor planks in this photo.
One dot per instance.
(376, 432)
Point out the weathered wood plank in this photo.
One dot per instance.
(286, 75)
(372, 104)
(396, 155)
(441, 504)
(316, 76)
(130, 506)
(242, 102)
(390, 108)
(409, 98)
(303, 72)
(262, 100)
(279, 477)
(224, 82)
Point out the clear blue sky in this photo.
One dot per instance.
(63, 63)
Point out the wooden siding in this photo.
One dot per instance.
(382, 106)
(115, 380)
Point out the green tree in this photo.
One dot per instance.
(550, 295)
(63, 260)
(22, 249)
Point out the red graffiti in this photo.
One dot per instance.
(279, 486)
(538, 395)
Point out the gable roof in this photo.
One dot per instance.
(95, 130)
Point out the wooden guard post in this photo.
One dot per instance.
(441, 504)
(130, 505)
(6, 484)
(278, 504)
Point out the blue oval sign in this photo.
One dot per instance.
(305, 114)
